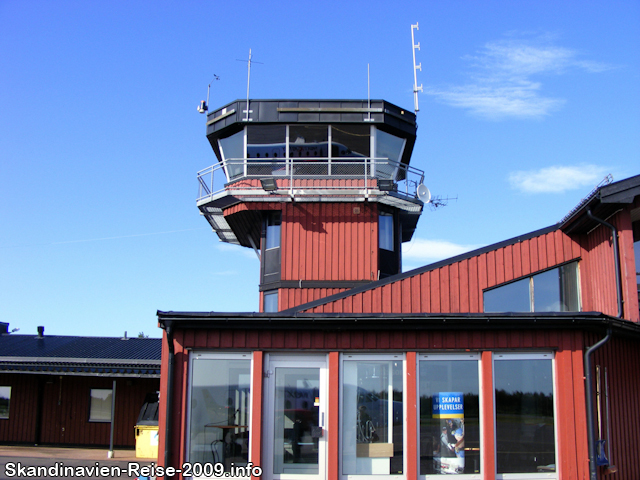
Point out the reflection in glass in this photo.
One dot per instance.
(5, 400)
(569, 297)
(512, 297)
(271, 301)
(385, 231)
(266, 146)
(449, 429)
(524, 414)
(388, 147)
(350, 141)
(100, 408)
(219, 411)
(308, 141)
(546, 291)
(232, 150)
(372, 427)
(297, 406)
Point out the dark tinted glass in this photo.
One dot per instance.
(513, 297)
(308, 141)
(524, 415)
(350, 141)
(546, 291)
(266, 141)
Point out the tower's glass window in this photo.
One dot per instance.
(388, 154)
(266, 141)
(308, 141)
(271, 301)
(273, 230)
(385, 231)
(232, 149)
(350, 141)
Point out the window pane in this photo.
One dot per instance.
(569, 298)
(271, 302)
(388, 147)
(308, 141)
(513, 297)
(524, 415)
(232, 149)
(219, 411)
(385, 231)
(100, 409)
(350, 141)
(546, 291)
(5, 400)
(266, 141)
(372, 433)
(273, 230)
(449, 417)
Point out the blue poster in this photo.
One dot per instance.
(448, 405)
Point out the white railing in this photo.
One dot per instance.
(363, 173)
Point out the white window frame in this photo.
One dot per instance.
(345, 357)
(499, 356)
(209, 355)
(91, 413)
(453, 357)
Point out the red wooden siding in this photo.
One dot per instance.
(457, 287)
(597, 269)
(624, 365)
(329, 241)
(621, 358)
(65, 409)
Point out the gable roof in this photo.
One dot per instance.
(72, 355)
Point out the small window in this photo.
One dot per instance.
(5, 400)
(100, 409)
(273, 230)
(271, 301)
(385, 231)
(525, 419)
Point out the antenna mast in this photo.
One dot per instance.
(416, 88)
(249, 62)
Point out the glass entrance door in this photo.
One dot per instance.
(295, 436)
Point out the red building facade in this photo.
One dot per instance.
(517, 360)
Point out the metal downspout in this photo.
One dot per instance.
(168, 415)
(591, 431)
(591, 434)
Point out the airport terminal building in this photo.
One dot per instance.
(519, 360)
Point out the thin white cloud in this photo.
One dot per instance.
(557, 179)
(502, 79)
(429, 251)
(231, 249)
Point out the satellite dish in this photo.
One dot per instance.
(423, 193)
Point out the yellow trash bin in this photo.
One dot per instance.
(146, 441)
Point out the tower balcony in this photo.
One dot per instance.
(356, 179)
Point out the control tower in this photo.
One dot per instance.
(322, 190)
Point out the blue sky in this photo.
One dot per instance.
(525, 107)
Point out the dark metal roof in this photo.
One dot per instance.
(80, 355)
(287, 320)
(603, 202)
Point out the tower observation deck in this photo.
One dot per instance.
(312, 173)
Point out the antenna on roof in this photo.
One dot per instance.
(416, 88)
(204, 106)
(247, 111)
(368, 119)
